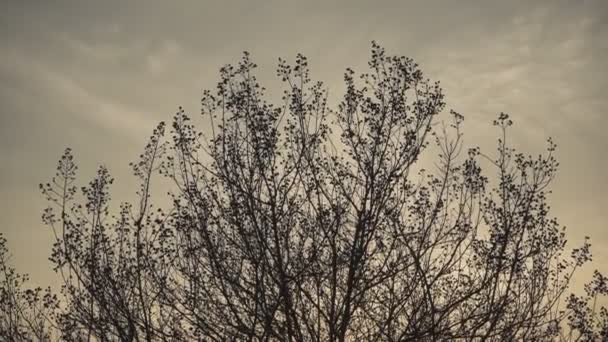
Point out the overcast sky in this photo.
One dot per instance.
(98, 75)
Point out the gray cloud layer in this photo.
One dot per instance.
(98, 75)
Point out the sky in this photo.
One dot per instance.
(97, 76)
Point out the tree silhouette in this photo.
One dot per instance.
(25, 313)
(293, 221)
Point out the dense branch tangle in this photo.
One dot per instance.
(295, 222)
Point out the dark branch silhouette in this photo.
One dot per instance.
(292, 221)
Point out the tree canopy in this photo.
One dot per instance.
(296, 220)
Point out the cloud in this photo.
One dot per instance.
(99, 51)
(79, 101)
(163, 57)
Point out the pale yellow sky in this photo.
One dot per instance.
(98, 75)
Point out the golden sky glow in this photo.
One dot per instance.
(98, 75)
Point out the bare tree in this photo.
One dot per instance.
(26, 313)
(297, 222)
